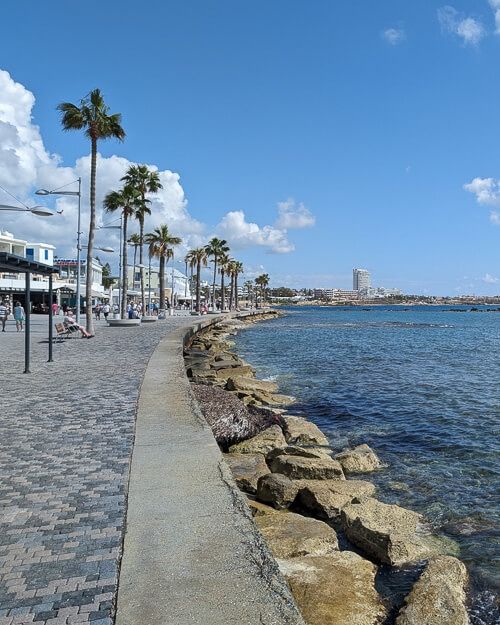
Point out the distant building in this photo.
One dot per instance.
(323, 293)
(361, 279)
(343, 295)
(380, 292)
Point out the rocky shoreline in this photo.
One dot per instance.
(306, 501)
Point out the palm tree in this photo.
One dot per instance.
(135, 241)
(145, 181)
(125, 201)
(224, 268)
(197, 257)
(92, 115)
(161, 244)
(216, 248)
(249, 286)
(237, 269)
(230, 271)
(262, 281)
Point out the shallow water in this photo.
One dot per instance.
(422, 387)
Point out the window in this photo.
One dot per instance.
(46, 254)
(30, 252)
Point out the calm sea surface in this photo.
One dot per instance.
(421, 386)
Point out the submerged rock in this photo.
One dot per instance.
(438, 598)
(277, 490)
(327, 498)
(262, 443)
(335, 589)
(361, 459)
(298, 468)
(290, 535)
(299, 431)
(385, 532)
(247, 469)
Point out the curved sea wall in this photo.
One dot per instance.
(306, 502)
(192, 553)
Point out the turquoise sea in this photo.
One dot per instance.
(421, 386)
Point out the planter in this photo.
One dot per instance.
(123, 323)
(149, 318)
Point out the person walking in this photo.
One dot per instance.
(4, 313)
(19, 315)
(106, 309)
(97, 312)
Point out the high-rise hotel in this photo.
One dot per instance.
(361, 279)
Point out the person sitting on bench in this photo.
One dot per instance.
(68, 320)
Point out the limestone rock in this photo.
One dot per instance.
(385, 532)
(299, 431)
(295, 450)
(277, 490)
(326, 498)
(243, 370)
(226, 364)
(250, 384)
(262, 443)
(246, 469)
(438, 598)
(361, 459)
(260, 509)
(335, 589)
(298, 468)
(271, 399)
(290, 535)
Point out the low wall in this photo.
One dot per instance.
(192, 554)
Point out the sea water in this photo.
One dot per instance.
(421, 386)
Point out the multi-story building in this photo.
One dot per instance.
(343, 295)
(361, 279)
(67, 280)
(323, 293)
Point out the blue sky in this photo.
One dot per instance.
(366, 118)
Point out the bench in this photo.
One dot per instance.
(65, 330)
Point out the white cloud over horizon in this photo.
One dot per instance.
(469, 29)
(495, 6)
(487, 192)
(394, 36)
(26, 164)
(489, 279)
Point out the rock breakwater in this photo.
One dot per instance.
(306, 505)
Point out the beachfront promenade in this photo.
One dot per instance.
(66, 438)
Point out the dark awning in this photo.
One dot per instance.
(19, 264)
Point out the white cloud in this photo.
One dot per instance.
(470, 29)
(25, 165)
(495, 5)
(489, 279)
(294, 216)
(241, 234)
(495, 218)
(393, 36)
(487, 191)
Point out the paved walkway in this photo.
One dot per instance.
(66, 433)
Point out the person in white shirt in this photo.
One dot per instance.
(4, 313)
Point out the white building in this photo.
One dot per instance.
(361, 279)
(67, 279)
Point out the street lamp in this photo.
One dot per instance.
(77, 194)
(40, 211)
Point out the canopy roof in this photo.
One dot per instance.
(19, 264)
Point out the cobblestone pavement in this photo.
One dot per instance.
(66, 433)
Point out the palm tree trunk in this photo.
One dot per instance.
(135, 263)
(223, 297)
(141, 251)
(90, 247)
(236, 303)
(231, 294)
(198, 285)
(124, 268)
(213, 286)
(162, 282)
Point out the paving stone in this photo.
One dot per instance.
(66, 435)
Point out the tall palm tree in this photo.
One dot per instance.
(249, 286)
(197, 257)
(262, 281)
(216, 248)
(144, 180)
(92, 115)
(125, 201)
(237, 269)
(135, 241)
(161, 244)
(230, 272)
(224, 269)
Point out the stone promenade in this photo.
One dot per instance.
(66, 435)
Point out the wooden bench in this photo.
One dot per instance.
(64, 331)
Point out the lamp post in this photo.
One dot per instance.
(77, 194)
(40, 211)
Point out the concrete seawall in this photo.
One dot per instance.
(192, 554)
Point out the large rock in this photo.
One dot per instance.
(246, 469)
(336, 589)
(262, 443)
(259, 509)
(438, 598)
(290, 535)
(299, 431)
(385, 532)
(326, 498)
(243, 370)
(226, 364)
(361, 459)
(300, 468)
(277, 490)
(250, 384)
(295, 450)
(271, 399)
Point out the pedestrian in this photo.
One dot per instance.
(19, 315)
(4, 313)
(106, 309)
(55, 308)
(97, 312)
